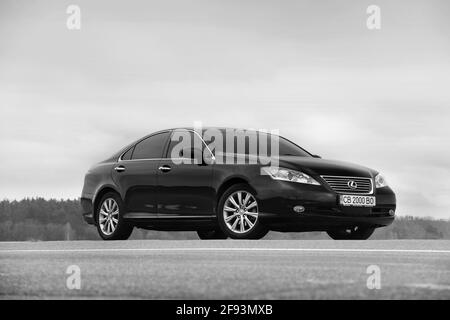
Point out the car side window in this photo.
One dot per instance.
(127, 155)
(179, 136)
(151, 148)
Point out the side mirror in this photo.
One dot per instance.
(316, 156)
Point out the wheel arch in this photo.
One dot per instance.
(99, 195)
(230, 182)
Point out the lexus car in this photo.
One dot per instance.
(232, 183)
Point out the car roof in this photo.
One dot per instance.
(209, 127)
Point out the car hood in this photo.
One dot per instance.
(319, 167)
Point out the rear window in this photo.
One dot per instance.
(127, 155)
(151, 147)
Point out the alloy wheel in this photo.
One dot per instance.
(240, 212)
(108, 216)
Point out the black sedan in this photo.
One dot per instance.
(223, 183)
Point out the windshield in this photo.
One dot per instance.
(285, 147)
(255, 143)
(288, 148)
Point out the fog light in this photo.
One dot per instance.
(299, 209)
(391, 212)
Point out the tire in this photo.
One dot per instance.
(245, 223)
(211, 234)
(111, 209)
(353, 233)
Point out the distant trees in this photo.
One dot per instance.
(409, 227)
(37, 219)
(40, 219)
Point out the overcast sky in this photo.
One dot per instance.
(311, 69)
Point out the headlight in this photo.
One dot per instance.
(289, 175)
(380, 181)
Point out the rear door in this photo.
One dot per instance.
(185, 188)
(136, 174)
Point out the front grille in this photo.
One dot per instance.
(342, 184)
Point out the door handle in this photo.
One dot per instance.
(120, 168)
(165, 168)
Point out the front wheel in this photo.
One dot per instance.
(353, 233)
(110, 222)
(238, 213)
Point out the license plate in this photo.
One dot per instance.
(357, 201)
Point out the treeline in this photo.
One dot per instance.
(38, 219)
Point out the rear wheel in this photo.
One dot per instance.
(353, 233)
(238, 213)
(211, 234)
(110, 222)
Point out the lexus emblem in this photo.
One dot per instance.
(352, 184)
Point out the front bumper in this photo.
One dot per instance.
(322, 222)
(322, 209)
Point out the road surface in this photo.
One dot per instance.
(226, 269)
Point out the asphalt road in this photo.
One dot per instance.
(226, 269)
